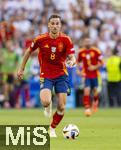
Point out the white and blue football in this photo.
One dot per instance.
(70, 131)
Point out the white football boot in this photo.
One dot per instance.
(52, 133)
(88, 112)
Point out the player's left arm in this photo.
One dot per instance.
(70, 51)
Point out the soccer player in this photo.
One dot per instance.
(7, 31)
(91, 60)
(8, 71)
(54, 48)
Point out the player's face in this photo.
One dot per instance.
(87, 43)
(54, 25)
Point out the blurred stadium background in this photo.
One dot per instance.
(22, 20)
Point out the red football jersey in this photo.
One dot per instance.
(7, 31)
(52, 54)
(90, 57)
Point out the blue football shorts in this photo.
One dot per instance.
(60, 84)
(91, 82)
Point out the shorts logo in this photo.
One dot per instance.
(42, 80)
(41, 85)
(68, 91)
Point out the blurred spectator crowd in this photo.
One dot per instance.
(22, 20)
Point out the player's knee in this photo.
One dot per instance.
(45, 103)
(61, 108)
(86, 92)
(95, 92)
(45, 99)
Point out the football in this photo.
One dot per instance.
(70, 131)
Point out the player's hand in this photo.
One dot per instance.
(92, 67)
(80, 73)
(20, 74)
(70, 63)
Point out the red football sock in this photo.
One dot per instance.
(96, 98)
(86, 101)
(56, 119)
(95, 103)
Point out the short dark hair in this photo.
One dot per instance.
(55, 16)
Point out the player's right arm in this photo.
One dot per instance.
(23, 64)
(26, 56)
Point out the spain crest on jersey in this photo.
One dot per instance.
(60, 47)
(53, 49)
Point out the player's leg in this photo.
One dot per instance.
(57, 117)
(95, 102)
(46, 95)
(59, 114)
(8, 87)
(87, 101)
(25, 86)
(86, 97)
(61, 89)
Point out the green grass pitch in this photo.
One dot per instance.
(101, 131)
